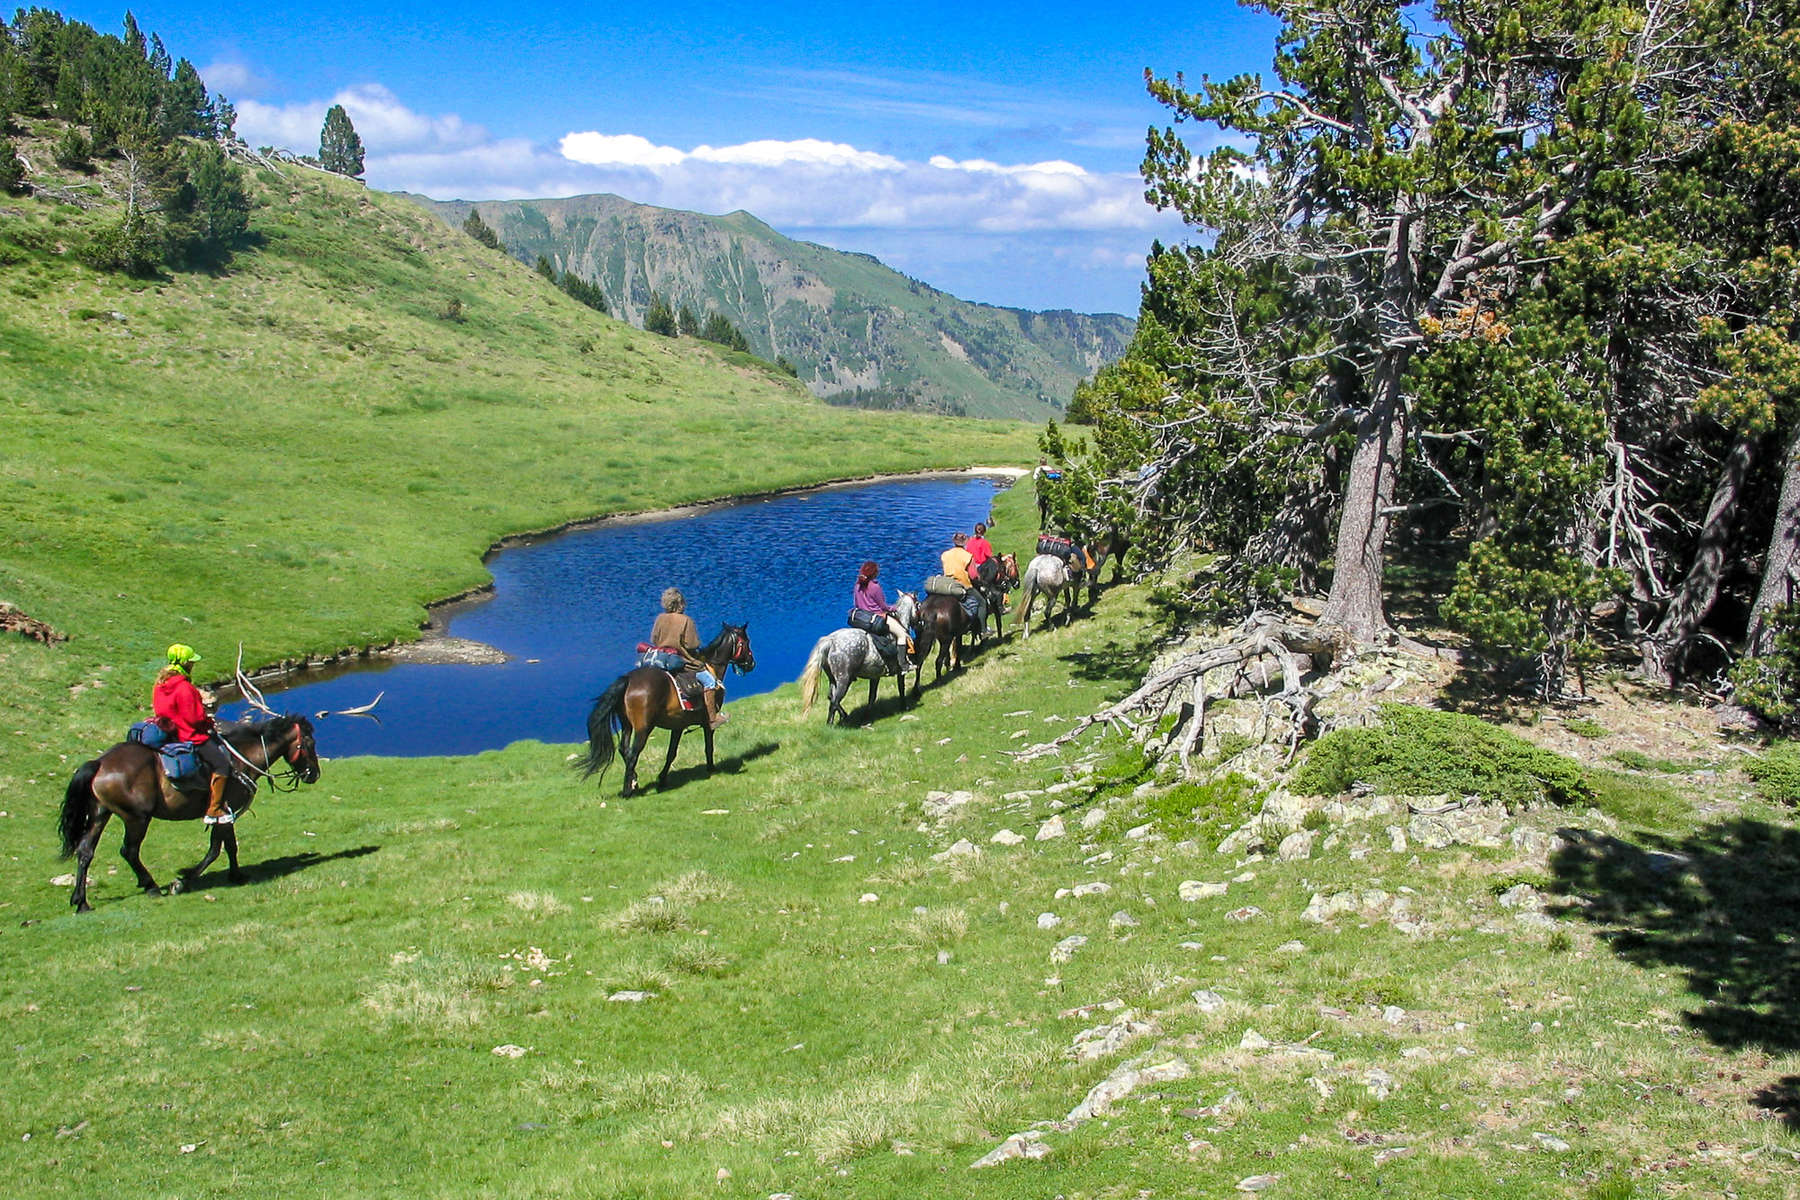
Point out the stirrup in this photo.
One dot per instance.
(230, 818)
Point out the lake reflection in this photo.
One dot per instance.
(569, 611)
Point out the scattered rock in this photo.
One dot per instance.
(509, 1050)
(1393, 1014)
(1291, 948)
(1247, 913)
(1193, 889)
(939, 805)
(629, 996)
(1138, 833)
(1091, 889)
(1379, 1083)
(962, 848)
(1553, 1144)
(1053, 828)
(1522, 896)
(1007, 837)
(867, 898)
(1093, 817)
(1048, 920)
(1207, 1000)
(1123, 920)
(1019, 1145)
(1065, 950)
(1104, 1040)
(1296, 846)
(1396, 839)
(1253, 1040)
(1122, 1083)
(1258, 1183)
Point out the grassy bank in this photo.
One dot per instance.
(835, 1007)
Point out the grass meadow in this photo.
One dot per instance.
(424, 989)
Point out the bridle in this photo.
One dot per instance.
(280, 781)
(741, 656)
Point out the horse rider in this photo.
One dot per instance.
(180, 708)
(956, 562)
(674, 630)
(870, 598)
(984, 565)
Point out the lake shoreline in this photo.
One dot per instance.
(435, 645)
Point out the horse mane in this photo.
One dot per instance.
(276, 726)
(725, 630)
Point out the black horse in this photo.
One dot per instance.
(647, 698)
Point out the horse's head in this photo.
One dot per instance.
(1009, 570)
(741, 655)
(906, 607)
(300, 751)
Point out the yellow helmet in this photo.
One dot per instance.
(182, 655)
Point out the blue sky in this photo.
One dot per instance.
(988, 149)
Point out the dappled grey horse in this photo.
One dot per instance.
(848, 654)
(1048, 576)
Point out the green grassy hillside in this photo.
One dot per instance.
(304, 449)
(857, 330)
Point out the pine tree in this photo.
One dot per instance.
(686, 323)
(659, 317)
(12, 171)
(340, 149)
(481, 231)
(545, 268)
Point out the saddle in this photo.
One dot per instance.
(687, 688)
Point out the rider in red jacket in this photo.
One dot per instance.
(179, 706)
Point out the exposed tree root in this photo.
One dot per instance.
(1264, 634)
(14, 621)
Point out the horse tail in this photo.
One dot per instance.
(78, 805)
(809, 677)
(603, 726)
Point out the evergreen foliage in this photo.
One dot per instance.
(1517, 296)
(719, 329)
(1769, 684)
(659, 318)
(545, 268)
(12, 171)
(72, 151)
(1422, 752)
(582, 291)
(1777, 772)
(340, 148)
(482, 232)
(686, 323)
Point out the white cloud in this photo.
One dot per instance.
(231, 77)
(1038, 234)
(385, 125)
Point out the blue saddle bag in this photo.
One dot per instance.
(147, 733)
(181, 761)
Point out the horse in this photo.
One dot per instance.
(846, 655)
(128, 780)
(645, 698)
(942, 623)
(1050, 575)
(1004, 582)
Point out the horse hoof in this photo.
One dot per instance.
(84, 906)
(178, 887)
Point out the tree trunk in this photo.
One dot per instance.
(1357, 604)
(1665, 650)
(1781, 566)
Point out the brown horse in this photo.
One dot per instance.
(943, 621)
(128, 780)
(645, 698)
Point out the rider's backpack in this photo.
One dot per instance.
(147, 733)
(868, 622)
(1062, 547)
(181, 761)
(944, 585)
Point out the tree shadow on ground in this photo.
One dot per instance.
(270, 868)
(1781, 1100)
(1721, 905)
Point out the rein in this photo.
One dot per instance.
(286, 781)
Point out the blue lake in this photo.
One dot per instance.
(570, 609)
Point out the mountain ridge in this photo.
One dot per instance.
(858, 331)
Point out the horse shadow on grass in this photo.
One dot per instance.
(271, 868)
(1721, 906)
(731, 764)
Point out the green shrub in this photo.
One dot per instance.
(12, 171)
(129, 246)
(72, 151)
(1207, 812)
(1421, 752)
(1584, 727)
(1777, 772)
(1769, 684)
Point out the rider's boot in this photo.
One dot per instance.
(216, 811)
(714, 718)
